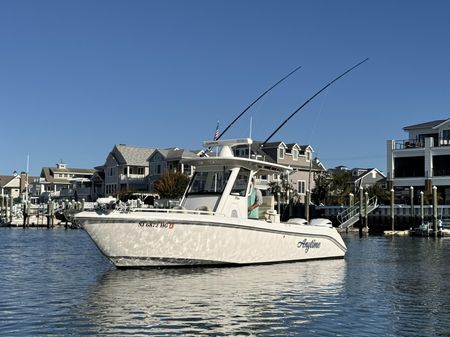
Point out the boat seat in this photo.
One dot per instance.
(268, 204)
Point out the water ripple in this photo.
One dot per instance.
(55, 282)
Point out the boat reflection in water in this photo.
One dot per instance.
(253, 300)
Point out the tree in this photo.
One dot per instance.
(320, 192)
(340, 186)
(378, 191)
(171, 185)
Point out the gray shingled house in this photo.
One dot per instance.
(126, 169)
(298, 157)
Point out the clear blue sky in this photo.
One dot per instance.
(77, 77)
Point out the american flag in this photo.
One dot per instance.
(216, 133)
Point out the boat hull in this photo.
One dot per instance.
(162, 240)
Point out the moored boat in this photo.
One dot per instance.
(211, 226)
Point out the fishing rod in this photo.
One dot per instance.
(310, 99)
(256, 100)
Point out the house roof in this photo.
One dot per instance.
(72, 170)
(425, 125)
(49, 173)
(174, 154)
(267, 156)
(4, 180)
(180, 154)
(270, 145)
(366, 172)
(132, 155)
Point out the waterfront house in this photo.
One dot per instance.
(13, 186)
(422, 160)
(298, 157)
(63, 182)
(168, 159)
(126, 169)
(366, 177)
(358, 177)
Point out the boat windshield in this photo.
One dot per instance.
(211, 182)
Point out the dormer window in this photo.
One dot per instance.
(281, 153)
(295, 154)
(308, 155)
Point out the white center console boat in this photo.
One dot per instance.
(211, 225)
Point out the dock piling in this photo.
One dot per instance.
(307, 196)
(422, 214)
(11, 207)
(366, 212)
(435, 212)
(361, 214)
(393, 210)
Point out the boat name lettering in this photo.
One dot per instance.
(307, 245)
(156, 224)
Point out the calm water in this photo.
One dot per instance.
(56, 283)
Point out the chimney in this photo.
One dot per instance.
(23, 181)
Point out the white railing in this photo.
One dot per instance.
(175, 210)
(131, 176)
(350, 216)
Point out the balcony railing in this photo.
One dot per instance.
(444, 142)
(408, 144)
(415, 143)
(439, 172)
(124, 177)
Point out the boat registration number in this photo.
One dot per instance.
(148, 224)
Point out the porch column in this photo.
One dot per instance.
(390, 162)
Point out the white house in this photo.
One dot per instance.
(64, 182)
(422, 160)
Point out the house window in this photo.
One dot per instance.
(446, 134)
(301, 187)
(140, 170)
(295, 154)
(281, 153)
(308, 155)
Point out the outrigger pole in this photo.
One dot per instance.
(256, 100)
(310, 99)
